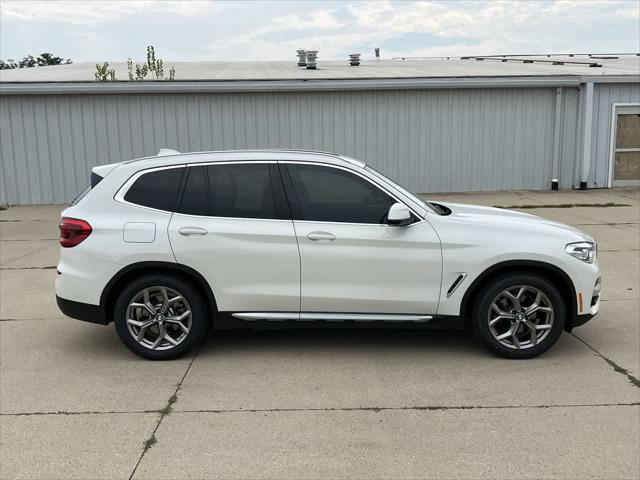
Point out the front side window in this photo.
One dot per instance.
(158, 189)
(328, 194)
(232, 190)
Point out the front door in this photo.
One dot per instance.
(352, 261)
(234, 227)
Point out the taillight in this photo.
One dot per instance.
(73, 231)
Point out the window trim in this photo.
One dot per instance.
(122, 191)
(394, 196)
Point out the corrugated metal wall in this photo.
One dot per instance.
(604, 96)
(429, 140)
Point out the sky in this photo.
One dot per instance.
(104, 30)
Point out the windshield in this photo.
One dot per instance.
(427, 205)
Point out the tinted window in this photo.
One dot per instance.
(241, 190)
(332, 195)
(157, 189)
(195, 200)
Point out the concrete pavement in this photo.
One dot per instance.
(74, 403)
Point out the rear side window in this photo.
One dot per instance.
(158, 189)
(234, 190)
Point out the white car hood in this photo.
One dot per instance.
(512, 220)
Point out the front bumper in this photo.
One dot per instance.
(82, 311)
(594, 306)
(582, 319)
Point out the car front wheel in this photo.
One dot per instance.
(160, 317)
(519, 316)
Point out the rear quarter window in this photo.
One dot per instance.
(158, 189)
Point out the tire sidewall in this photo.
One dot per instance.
(187, 290)
(483, 303)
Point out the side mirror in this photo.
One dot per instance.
(399, 215)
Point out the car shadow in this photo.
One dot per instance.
(102, 343)
(453, 342)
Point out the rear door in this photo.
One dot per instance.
(233, 226)
(352, 261)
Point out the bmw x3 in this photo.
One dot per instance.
(169, 246)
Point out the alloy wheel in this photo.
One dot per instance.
(159, 318)
(520, 317)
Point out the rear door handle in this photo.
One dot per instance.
(188, 231)
(321, 236)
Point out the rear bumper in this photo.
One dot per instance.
(82, 311)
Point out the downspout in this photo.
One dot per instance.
(556, 141)
(586, 136)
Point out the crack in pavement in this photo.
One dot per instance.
(619, 250)
(48, 267)
(565, 205)
(27, 220)
(168, 409)
(632, 379)
(83, 412)
(417, 408)
(34, 319)
(27, 239)
(595, 223)
(151, 441)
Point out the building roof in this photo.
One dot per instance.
(230, 76)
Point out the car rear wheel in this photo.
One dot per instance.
(160, 317)
(519, 316)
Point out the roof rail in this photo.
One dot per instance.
(168, 151)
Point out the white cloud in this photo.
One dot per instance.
(69, 11)
(240, 30)
(95, 12)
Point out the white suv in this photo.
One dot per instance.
(168, 245)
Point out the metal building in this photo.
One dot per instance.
(434, 125)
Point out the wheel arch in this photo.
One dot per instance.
(107, 298)
(552, 272)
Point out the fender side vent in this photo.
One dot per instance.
(456, 284)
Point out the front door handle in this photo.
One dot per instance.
(321, 236)
(188, 231)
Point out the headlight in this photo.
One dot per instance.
(585, 251)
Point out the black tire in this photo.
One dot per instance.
(482, 305)
(199, 320)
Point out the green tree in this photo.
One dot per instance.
(50, 59)
(154, 67)
(29, 61)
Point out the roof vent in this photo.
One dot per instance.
(302, 58)
(354, 59)
(377, 52)
(312, 56)
(163, 152)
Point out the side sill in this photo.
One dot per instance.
(228, 321)
(330, 317)
(82, 311)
